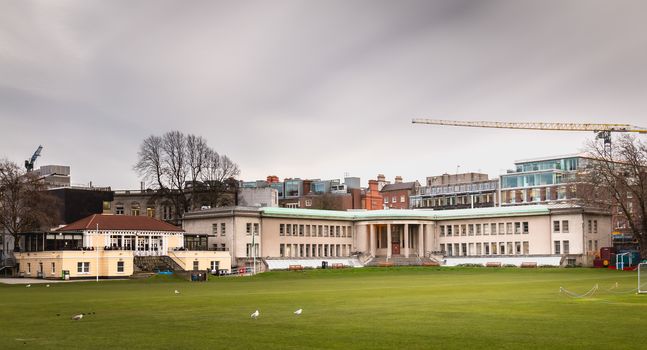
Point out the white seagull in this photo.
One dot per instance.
(47, 286)
(29, 285)
(255, 314)
(77, 317)
(177, 291)
(298, 312)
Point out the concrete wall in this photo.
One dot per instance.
(204, 258)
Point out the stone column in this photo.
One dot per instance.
(421, 247)
(406, 240)
(372, 239)
(388, 241)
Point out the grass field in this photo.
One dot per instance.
(370, 308)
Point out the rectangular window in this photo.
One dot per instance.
(526, 247)
(223, 229)
(526, 227)
(517, 228)
(215, 264)
(501, 229)
(595, 245)
(320, 231)
(401, 199)
(307, 230)
(349, 232)
(508, 228)
(248, 228)
(83, 267)
(196, 265)
(442, 231)
(449, 230)
(308, 202)
(288, 230)
(565, 226)
(517, 248)
(478, 229)
(256, 229)
(106, 205)
(486, 230)
(53, 268)
(595, 226)
(150, 212)
(493, 229)
(214, 229)
(119, 210)
(301, 230)
(120, 266)
(556, 226)
(282, 230)
(590, 245)
(282, 250)
(470, 229)
(590, 226)
(557, 248)
(486, 248)
(566, 247)
(326, 232)
(463, 230)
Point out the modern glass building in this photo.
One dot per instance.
(541, 180)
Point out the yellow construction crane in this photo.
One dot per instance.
(602, 131)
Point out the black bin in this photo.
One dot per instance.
(324, 264)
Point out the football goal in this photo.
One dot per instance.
(642, 278)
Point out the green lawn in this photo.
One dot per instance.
(388, 308)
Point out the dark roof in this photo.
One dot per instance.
(120, 222)
(399, 186)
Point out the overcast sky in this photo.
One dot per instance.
(314, 89)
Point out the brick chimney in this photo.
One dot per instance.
(398, 179)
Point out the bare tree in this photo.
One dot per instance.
(24, 204)
(617, 180)
(185, 170)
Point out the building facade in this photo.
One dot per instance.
(503, 232)
(458, 191)
(398, 194)
(107, 246)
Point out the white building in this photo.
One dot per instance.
(504, 234)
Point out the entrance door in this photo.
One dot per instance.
(395, 248)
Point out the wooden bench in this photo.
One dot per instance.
(529, 264)
(385, 264)
(338, 266)
(431, 263)
(295, 267)
(493, 264)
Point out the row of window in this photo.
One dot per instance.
(315, 230)
(135, 210)
(485, 229)
(394, 199)
(314, 250)
(486, 248)
(451, 200)
(81, 267)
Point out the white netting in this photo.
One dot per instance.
(571, 294)
(616, 289)
(642, 278)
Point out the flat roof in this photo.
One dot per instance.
(421, 214)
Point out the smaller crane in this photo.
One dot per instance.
(29, 164)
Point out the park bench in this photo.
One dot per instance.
(337, 266)
(385, 264)
(528, 264)
(295, 267)
(493, 264)
(431, 263)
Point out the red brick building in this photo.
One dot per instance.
(396, 195)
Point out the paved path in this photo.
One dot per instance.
(41, 281)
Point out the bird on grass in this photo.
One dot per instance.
(47, 286)
(177, 291)
(77, 317)
(255, 314)
(29, 285)
(298, 312)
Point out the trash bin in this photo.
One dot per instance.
(65, 274)
(324, 264)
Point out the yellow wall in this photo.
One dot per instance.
(68, 260)
(186, 258)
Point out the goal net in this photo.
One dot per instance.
(642, 278)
